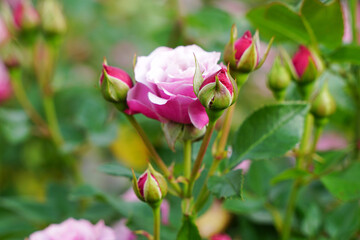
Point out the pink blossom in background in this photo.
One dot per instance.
(122, 232)
(347, 37)
(5, 84)
(4, 32)
(331, 141)
(164, 88)
(73, 229)
(220, 237)
(244, 165)
(301, 60)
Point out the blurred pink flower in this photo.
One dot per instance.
(164, 89)
(220, 237)
(347, 37)
(331, 141)
(72, 229)
(122, 232)
(244, 165)
(5, 84)
(4, 32)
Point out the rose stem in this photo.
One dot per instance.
(286, 230)
(20, 94)
(157, 159)
(187, 162)
(157, 221)
(200, 156)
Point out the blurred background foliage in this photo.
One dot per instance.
(41, 183)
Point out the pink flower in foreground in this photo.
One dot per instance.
(5, 85)
(122, 232)
(220, 237)
(72, 229)
(164, 88)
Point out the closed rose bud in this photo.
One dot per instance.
(220, 237)
(323, 106)
(11, 55)
(53, 19)
(278, 79)
(216, 93)
(115, 84)
(307, 65)
(243, 54)
(151, 187)
(26, 18)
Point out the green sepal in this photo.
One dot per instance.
(229, 51)
(198, 79)
(261, 62)
(136, 187)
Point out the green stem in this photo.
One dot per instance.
(304, 141)
(200, 156)
(20, 94)
(286, 230)
(155, 156)
(157, 222)
(317, 134)
(187, 161)
(352, 4)
(52, 119)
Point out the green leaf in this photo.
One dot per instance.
(289, 174)
(188, 230)
(227, 186)
(325, 21)
(312, 220)
(269, 132)
(344, 184)
(348, 54)
(330, 160)
(14, 125)
(343, 221)
(116, 169)
(248, 205)
(277, 19)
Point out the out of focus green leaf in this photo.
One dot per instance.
(227, 186)
(347, 54)
(277, 19)
(117, 169)
(344, 184)
(14, 125)
(269, 132)
(312, 221)
(289, 174)
(188, 230)
(325, 21)
(343, 221)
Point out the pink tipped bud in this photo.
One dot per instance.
(151, 187)
(306, 64)
(25, 16)
(5, 85)
(115, 84)
(217, 91)
(220, 237)
(243, 54)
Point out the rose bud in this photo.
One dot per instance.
(115, 84)
(151, 187)
(220, 237)
(26, 18)
(278, 79)
(323, 106)
(53, 19)
(243, 54)
(307, 65)
(216, 93)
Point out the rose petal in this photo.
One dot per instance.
(198, 115)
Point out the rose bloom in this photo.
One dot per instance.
(5, 84)
(72, 229)
(164, 89)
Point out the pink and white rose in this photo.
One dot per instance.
(73, 229)
(164, 89)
